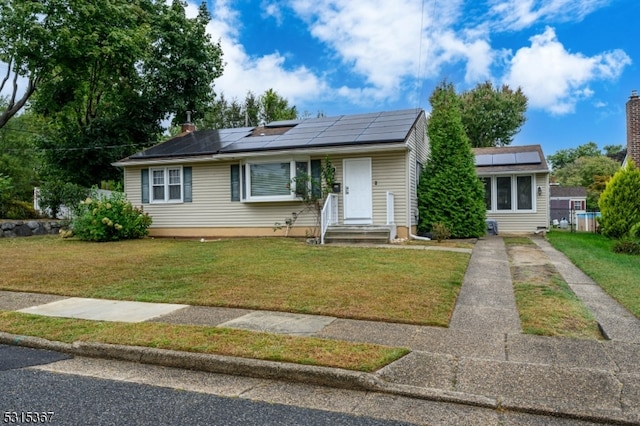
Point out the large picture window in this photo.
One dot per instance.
(270, 181)
(509, 193)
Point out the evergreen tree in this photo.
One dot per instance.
(620, 203)
(449, 190)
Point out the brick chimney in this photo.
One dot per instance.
(188, 127)
(633, 127)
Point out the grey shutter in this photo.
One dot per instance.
(243, 180)
(316, 178)
(235, 182)
(186, 173)
(144, 174)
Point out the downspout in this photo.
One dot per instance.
(416, 237)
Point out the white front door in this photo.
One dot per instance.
(358, 206)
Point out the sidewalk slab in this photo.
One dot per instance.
(103, 310)
(486, 344)
(280, 323)
(479, 318)
(486, 300)
(554, 387)
(422, 369)
(201, 315)
(631, 395)
(625, 355)
(559, 351)
(392, 334)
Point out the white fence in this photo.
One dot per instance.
(64, 212)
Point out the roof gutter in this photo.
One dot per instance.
(350, 149)
(511, 172)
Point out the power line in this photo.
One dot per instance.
(90, 148)
(420, 86)
(420, 80)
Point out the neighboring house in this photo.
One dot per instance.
(516, 182)
(633, 129)
(236, 182)
(566, 202)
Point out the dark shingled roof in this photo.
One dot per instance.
(344, 130)
(567, 191)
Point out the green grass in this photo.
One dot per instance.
(545, 303)
(617, 274)
(408, 286)
(209, 340)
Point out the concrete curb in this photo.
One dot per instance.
(322, 376)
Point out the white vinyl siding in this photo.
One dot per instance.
(526, 221)
(212, 205)
(419, 151)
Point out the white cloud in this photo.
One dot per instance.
(519, 14)
(387, 45)
(243, 73)
(394, 43)
(554, 79)
(272, 10)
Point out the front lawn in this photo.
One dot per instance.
(617, 274)
(403, 285)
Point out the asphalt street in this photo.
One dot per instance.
(69, 399)
(89, 391)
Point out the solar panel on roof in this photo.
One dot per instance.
(504, 159)
(382, 137)
(484, 160)
(283, 123)
(349, 120)
(330, 140)
(528, 157)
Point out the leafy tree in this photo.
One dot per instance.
(567, 156)
(449, 192)
(55, 193)
(252, 112)
(589, 172)
(113, 72)
(27, 45)
(274, 107)
(492, 117)
(613, 150)
(19, 157)
(183, 63)
(620, 203)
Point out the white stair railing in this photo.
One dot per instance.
(329, 215)
(391, 218)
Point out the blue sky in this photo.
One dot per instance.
(577, 61)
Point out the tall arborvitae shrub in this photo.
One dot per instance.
(620, 202)
(449, 191)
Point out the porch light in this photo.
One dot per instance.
(539, 191)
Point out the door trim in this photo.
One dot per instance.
(363, 213)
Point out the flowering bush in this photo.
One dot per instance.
(108, 218)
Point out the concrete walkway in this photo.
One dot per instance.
(482, 359)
